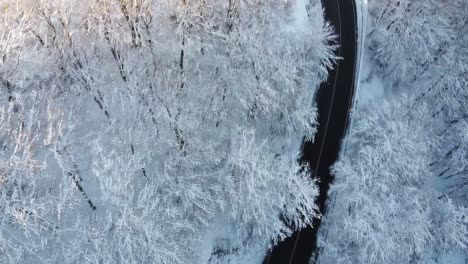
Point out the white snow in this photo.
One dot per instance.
(300, 13)
(361, 90)
(361, 10)
(300, 16)
(370, 86)
(454, 258)
(217, 236)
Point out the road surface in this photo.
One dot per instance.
(334, 101)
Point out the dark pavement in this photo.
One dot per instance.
(334, 99)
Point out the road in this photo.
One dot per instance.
(334, 101)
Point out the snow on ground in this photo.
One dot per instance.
(300, 16)
(370, 86)
(364, 90)
(454, 258)
(213, 247)
(300, 13)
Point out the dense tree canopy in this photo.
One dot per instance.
(401, 188)
(388, 207)
(128, 127)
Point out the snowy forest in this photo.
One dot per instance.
(401, 189)
(170, 131)
(139, 131)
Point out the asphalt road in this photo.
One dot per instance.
(334, 101)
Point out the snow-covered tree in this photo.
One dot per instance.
(388, 208)
(401, 188)
(421, 48)
(162, 117)
(409, 37)
(39, 188)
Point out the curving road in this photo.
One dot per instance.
(334, 102)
